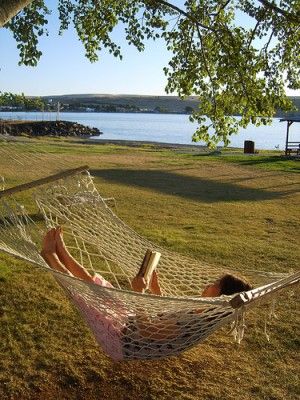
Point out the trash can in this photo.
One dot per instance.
(248, 147)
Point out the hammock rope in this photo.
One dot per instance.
(127, 325)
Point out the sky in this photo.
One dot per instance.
(63, 68)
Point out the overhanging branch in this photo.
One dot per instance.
(185, 14)
(9, 8)
(286, 14)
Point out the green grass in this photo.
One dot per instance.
(228, 209)
(268, 162)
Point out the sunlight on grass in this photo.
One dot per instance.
(229, 210)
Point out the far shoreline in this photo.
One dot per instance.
(139, 143)
(54, 112)
(193, 148)
(138, 137)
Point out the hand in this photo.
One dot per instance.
(154, 285)
(138, 284)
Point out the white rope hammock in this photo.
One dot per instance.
(126, 324)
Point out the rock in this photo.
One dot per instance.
(47, 128)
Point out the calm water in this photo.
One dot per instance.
(167, 128)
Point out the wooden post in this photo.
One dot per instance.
(42, 181)
(289, 123)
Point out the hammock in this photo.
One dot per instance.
(127, 325)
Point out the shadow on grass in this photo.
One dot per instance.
(198, 189)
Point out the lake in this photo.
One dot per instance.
(166, 128)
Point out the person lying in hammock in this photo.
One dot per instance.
(58, 257)
(137, 332)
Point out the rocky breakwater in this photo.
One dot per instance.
(47, 128)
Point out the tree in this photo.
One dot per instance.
(19, 100)
(234, 68)
(160, 109)
(188, 110)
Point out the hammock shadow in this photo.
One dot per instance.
(195, 188)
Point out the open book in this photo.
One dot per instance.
(149, 265)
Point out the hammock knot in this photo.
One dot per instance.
(238, 325)
(269, 316)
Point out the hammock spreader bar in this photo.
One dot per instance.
(42, 181)
(255, 294)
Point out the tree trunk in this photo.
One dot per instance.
(9, 8)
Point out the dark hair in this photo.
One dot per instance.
(230, 284)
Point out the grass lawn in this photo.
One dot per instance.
(225, 209)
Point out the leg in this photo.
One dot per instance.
(161, 328)
(70, 263)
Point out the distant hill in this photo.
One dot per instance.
(172, 104)
(134, 103)
(296, 101)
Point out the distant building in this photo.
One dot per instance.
(10, 108)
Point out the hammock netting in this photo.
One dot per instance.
(126, 324)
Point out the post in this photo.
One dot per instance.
(249, 147)
(289, 123)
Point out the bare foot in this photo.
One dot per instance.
(49, 252)
(61, 249)
(49, 245)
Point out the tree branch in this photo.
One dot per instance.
(253, 33)
(185, 14)
(9, 8)
(222, 7)
(202, 49)
(274, 7)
